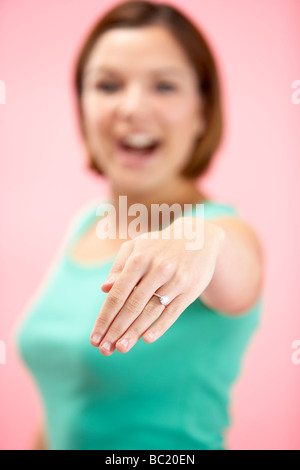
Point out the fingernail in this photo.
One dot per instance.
(109, 280)
(124, 342)
(96, 338)
(106, 346)
(151, 336)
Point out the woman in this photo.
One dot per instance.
(148, 362)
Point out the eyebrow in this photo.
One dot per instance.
(158, 71)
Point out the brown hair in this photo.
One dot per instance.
(144, 13)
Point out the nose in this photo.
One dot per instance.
(133, 102)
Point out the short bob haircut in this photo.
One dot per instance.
(133, 14)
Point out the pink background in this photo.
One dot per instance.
(43, 182)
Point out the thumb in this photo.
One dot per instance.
(118, 264)
(107, 284)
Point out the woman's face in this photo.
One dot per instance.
(141, 107)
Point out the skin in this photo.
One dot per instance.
(167, 105)
(143, 97)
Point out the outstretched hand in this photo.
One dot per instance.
(145, 266)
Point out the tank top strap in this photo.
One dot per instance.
(212, 210)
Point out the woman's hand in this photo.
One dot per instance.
(145, 266)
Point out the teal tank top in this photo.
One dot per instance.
(171, 394)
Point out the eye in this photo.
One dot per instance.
(108, 87)
(165, 86)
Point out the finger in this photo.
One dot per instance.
(167, 318)
(139, 304)
(106, 287)
(151, 312)
(119, 263)
(148, 316)
(134, 269)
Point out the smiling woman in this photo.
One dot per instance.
(125, 102)
(171, 59)
(149, 110)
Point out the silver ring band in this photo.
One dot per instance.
(164, 300)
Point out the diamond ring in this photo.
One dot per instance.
(164, 300)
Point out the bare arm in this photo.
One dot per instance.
(238, 276)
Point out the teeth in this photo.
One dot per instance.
(139, 140)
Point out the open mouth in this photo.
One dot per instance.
(141, 151)
(138, 153)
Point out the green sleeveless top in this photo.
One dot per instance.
(171, 394)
